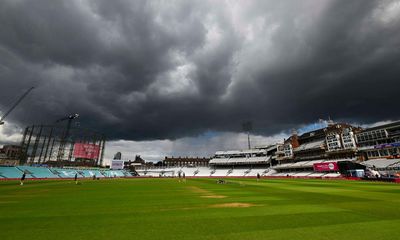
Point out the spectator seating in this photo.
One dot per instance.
(10, 172)
(54, 173)
(37, 172)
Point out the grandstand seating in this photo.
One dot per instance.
(306, 164)
(203, 172)
(220, 172)
(84, 173)
(43, 172)
(381, 163)
(311, 163)
(232, 172)
(37, 172)
(332, 175)
(97, 173)
(236, 172)
(10, 172)
(268, 172)
(310, 145)
(239, 160)
(64, 173)
(281, 174)
(283, 166)
(316, 174)
(302, 174)
(115, 173)
(189, 171)
(395, 165)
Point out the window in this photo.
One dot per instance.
(383, 152)
(393, 151)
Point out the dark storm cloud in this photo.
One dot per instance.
(167, 69)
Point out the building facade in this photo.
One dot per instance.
(336, 141)
(379, 142)
(11, 151)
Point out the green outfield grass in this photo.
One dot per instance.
(199, 209)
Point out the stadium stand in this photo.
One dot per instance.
(332, 175)
(302, 174)
(220, 172)
(381, 163)
(54, 173)
(303, 169)
(38, 172)
(97, 173)
(10, 172)
(396, 165)
(268, 172)
(63, 173)
(237, 172)
(84, 173)
(316, 174)
(299, 169)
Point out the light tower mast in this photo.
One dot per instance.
(247, 127)
(64, 138)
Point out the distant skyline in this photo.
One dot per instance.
(180, 77)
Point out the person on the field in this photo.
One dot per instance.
(221, 181)
(258, 177)
(184, 177)
(23, 178)
(76, 178)
(179, 176)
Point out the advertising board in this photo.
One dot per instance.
(86, 150)
(117, 164)
(325, 167)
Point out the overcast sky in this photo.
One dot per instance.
(179, 77)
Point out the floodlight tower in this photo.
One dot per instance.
(247, 126)
(61, 149)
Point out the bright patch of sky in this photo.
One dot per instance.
(312, 127)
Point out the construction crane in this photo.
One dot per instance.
(14, 105)
(64, 138)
